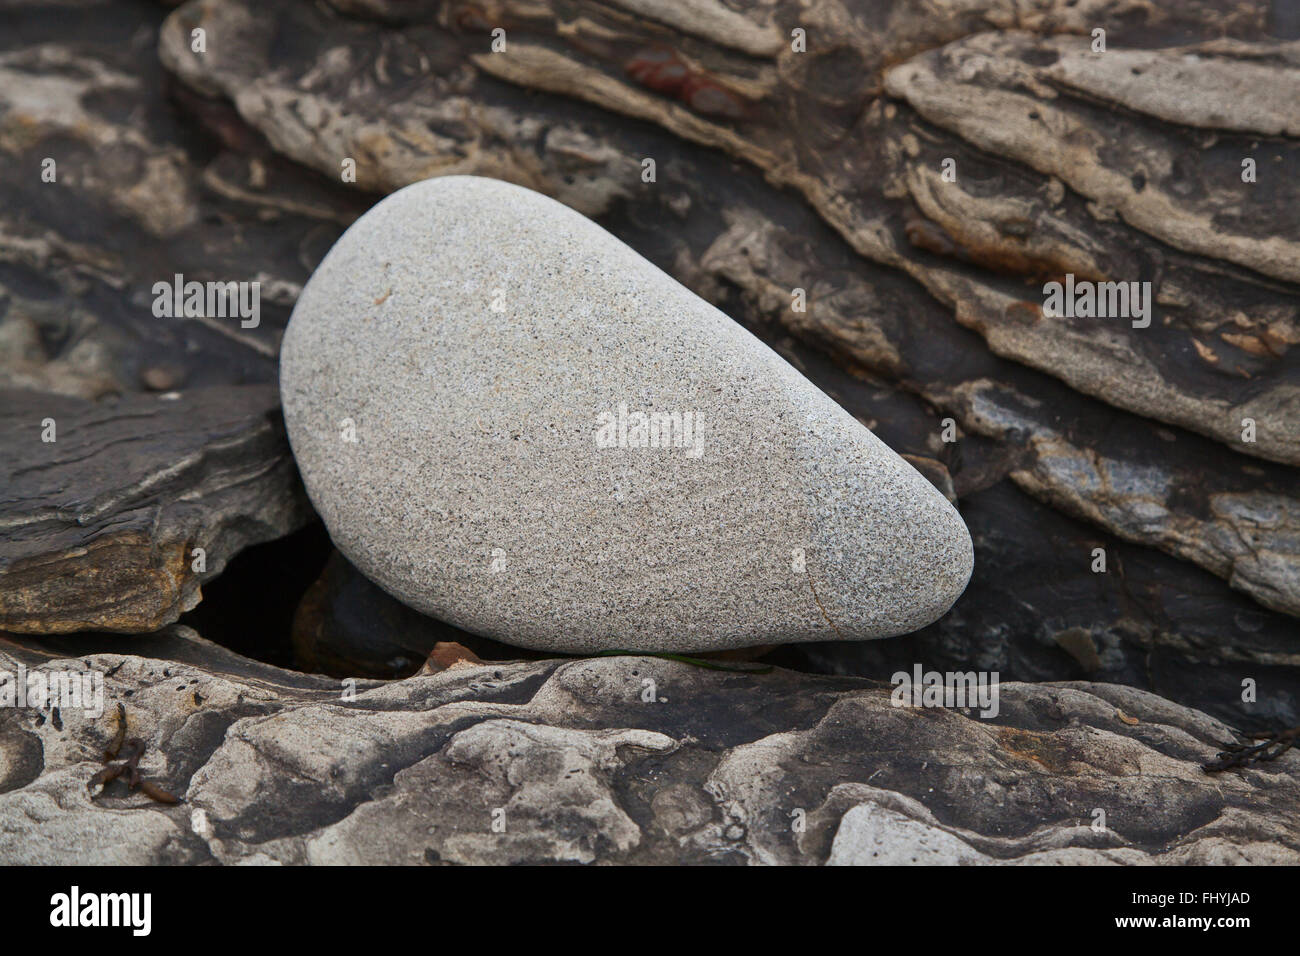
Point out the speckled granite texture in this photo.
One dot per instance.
(462, 381)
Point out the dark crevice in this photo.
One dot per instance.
(249, 607)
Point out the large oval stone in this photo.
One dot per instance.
(511, 421)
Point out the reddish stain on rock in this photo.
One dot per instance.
(663, 71)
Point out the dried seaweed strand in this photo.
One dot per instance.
(128, 767)
(1269, 747)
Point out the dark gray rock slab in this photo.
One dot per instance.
(116, 524)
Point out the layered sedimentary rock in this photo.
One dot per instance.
(908, 278)
(575, 762)
(117, 511)
(1216, 354)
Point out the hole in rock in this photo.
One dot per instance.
(298, 603)
(249, 607)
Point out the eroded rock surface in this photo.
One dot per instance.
(618, 760)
